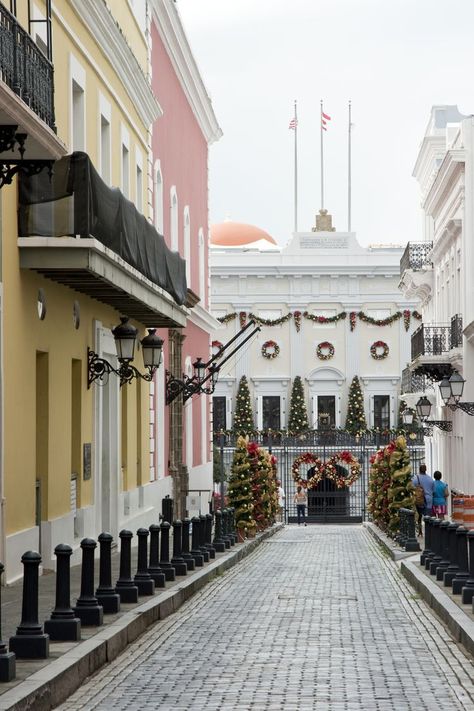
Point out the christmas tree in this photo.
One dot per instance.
(379, 483)
(355, 421)
(401, 490)
(240, 486)
(243, 417)
(298, 421)
(259, 480)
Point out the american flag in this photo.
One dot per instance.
(293, 124)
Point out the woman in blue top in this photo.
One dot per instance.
(440, 494)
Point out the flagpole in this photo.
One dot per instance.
(296, 170)
(349, 173)
(322, 155)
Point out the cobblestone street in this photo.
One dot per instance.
(316, 618)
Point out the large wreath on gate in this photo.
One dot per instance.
(328, 469)
(270, 354)
(327, 347)
(374, 350)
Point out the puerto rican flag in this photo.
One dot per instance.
(324, 120)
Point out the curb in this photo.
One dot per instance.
(387, 543)
(54, 683)
(457, 621)
(459, 624)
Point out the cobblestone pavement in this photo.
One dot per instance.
(317, 618)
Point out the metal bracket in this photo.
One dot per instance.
(9, 168)
(440, 424)
(467, 407)
(99, 369)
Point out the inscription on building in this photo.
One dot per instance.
(331, 242)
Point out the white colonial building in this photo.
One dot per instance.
(317, 300)
(438, 271)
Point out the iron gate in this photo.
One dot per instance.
(326, 503)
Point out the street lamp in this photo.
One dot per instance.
(451, 392)
(423, 409)
(125, 336)
(408, 416)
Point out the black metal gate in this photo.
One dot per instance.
(326, 503)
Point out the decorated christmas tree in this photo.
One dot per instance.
(259, 480)
(355, 421)
(243, 417)
(401, 490)
(240, 486)
(298, 420)
(379, 483)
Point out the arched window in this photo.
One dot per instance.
(174, 243)
(187, 244)
(158, 191)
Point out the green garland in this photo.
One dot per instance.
(269, 321)
(325, 319)
(380, 321)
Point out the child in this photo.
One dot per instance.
(440, 494)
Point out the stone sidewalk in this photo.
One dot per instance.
(39, 682)
(316, 618)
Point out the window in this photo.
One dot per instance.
(139, 190)
(105, 149)
(174, 219)
(78, 122)
(187, 244)
(125, 170)
(158, 197)
(271, 412)
(382, 411)
(219, 414)
(326, 411)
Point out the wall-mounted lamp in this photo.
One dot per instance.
(201, 382)
(125, 336)
(408, 416)
(423, 409)
(451, 390)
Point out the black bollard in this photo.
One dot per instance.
(87, 607)
(7, 659)
(154, 560)
(186, 555)
(444, 564)
(63, 626)
(427, 549)
(208, 536)
(468, 589)
(460, 578)
(233, 531)
(143, 579)
(218, 542)
(230, 533)
(30, 642)
(177, 561)
(453, 567)
(435, 556)
(165, 564)
(105, 593)
(202, 538)
(125, 586)
(411, 542)
(225, 524)
(195, 550)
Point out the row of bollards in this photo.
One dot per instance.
(407, 536)
(449, 555)
(154, 568)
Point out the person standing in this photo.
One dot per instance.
(281, 499)
(301, 500)
(440, 496)
(426, 482)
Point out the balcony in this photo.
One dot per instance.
(78, 232)
(416, 256)
(433, 350)
(413, 383)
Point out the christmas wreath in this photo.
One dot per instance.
(329, 470)
(273, 352)
(375, 350)
(216, 346)
(325, 350)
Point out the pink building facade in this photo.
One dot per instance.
(181, 435)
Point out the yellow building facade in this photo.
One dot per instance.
(76, 459)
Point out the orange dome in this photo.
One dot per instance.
(237, 234)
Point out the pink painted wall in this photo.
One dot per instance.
(182, 149)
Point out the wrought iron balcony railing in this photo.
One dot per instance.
(25, 69)
(431, 341)
(416, 256)
(413, 382)
(456, 331)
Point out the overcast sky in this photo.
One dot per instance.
(393, 58)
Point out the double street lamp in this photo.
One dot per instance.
(451, 390)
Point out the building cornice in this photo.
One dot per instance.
(203, 319)
(172, 34)
(449, 170)
(99, 21)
